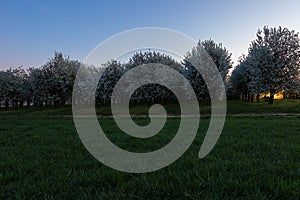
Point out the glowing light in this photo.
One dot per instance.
(279, 95)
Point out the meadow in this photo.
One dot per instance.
(256, 157)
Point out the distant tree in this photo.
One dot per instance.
(7, 86)
(221, 57)
(113, 71)
(59, 74)
(153, 93)
(22, 87)
(14, 86)
(84, 84)
(241, 79)
(39, 87)
(152, 57)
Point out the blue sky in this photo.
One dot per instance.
(31, 30)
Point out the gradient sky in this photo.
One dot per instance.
(31, 30)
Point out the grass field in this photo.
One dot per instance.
(255, 158)
(233, 107)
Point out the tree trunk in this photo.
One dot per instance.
(271, 99)
(35, 103)
(21, 104)
(62, 102)
(28, 103)
(272, 94)
(6, 104)
(56, 103)
(41, 103)
(257, 98)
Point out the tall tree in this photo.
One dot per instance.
(14, 86)
(59, 74)
(242, 79)
(38, 85)
(277, 59)
(113, 71)
(221, 57)
(7, 88)
(153, 92)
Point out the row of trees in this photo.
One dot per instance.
(272, 65)
(52, 84)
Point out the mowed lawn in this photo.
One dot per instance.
(255, 157)
(291, 106)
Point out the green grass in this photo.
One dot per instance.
(279, 106)
(255, 158)
(233, 107)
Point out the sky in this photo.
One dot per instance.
(32, 30)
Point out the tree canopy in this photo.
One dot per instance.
(272, 64)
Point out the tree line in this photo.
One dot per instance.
(272, 65)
